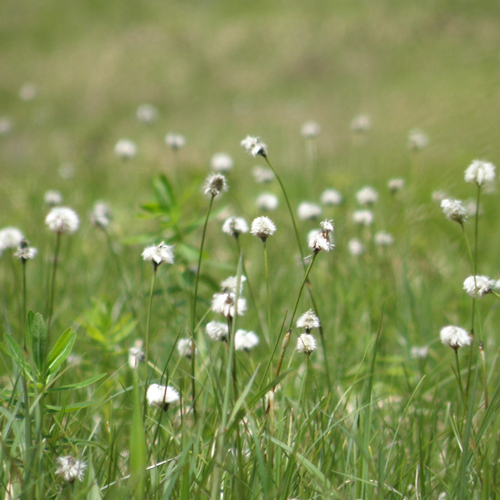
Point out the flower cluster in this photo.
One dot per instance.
(480, 172)
(477, 286)
(158, 254)
(70, 468)
(254, 146)
(321, 240)
(62, 220)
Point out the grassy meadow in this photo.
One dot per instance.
(381, 408)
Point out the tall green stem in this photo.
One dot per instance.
(268, 292)
(150, 307)
(53, 286)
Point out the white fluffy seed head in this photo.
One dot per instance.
(215, 184)
(217, 331)
(367, 196)
(262, 175)
(267, 202)
(355, 247)
(383, 239)
(62, 220)
(245, 341)
(263, 227)
(306, 343)
(221, 162)
(455, 337)
(52, 197)
(70, 468)
(158, 254)
(310, 130)
(477, 286)
(309, 211)
(308, 321)
(10, 237)
(147, 113)
(454, 210)
(331, 197)
(361, 123)
(396, 185)
(234, 226)
(254, 146)
(363, 217)
(175, 141)
(227, 305)
(417, 139)
(125, 149)
(480, 172)
(161, 396)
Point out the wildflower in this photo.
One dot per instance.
(71, 468)
(25, 252)
(101, 215)
(331, 197)
(185, 347)
(215, 184)
(308, 321)
(355, 247)
(5, 125)
(52, 197)
(175, 141)
(361, 123)
(310, 130)
(455, 337)
(254, 146)
(363, 217)
(263, 227)
(454, 210)
(234, 226)
(158, 254)
(262, 175)
(62, 220)
(221, 162)
(367, 196)
(136, 354)
(161, 396)
(217, 331)
(417, 139)
(383, 239)
(244, 341)
(10, 237)
(28, 91)
(472, 208)
(226, 304)
(231, 284)
(307, 211)
(125, 149)
(419, 352)
(320, 240)
(396, 185)
(306, 343)
(147, 113)
(477, 286)
(480, 172)
(267, 202)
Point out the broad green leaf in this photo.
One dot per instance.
(17, 354)
(38, 338)
(61, 350)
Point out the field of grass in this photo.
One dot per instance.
(381, 409)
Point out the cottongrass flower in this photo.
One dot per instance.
(306, 343)
(71, 469)
(331, 197)
(25, 251)
(161, 396)
(396, 184)
(175, 141)
(480, 172)
(477, 286)
(158, 254)
(10, 237)
(225, 303)
(310, 130)
(5, 125)
(363, 217)
(221, 162)
(254, 146)
(217, 331)
(215, 184)
(101, 215)
(231, 284)
(136, 354)
(455, 337)
(472, 208)
(262, 175)
(355, 247)
(419, 352)
(234, 226)
(417, 139)
(125, 149)
(28, 91)
(263, 227)
(62, 220)
(267, 202)
(367, 196)
(309, 211)
(454, 210)
(245, 341)
(52, 197)
(384, 239)
(147, 113)
(185, 347)
(319, 240)
(308, 321)
(361, 123)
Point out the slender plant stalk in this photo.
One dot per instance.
(268, 292)
(53, 286)
(150, 307)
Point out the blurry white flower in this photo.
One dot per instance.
(101, 214)
(419, 352)
(307, 211)
(326, 226)
(306, 343)
(125, 149)
(52, 197)
(254, 146)
(331, 197)
(396, 185)
(185, 347)
(367, 196)
(62, 220)
(262, 175)
(217, 331)
(158, 254)
(5, 125)
(10, 237)
(439, 196)
(383, 238)
(455, 337)
(175, 141)
(471, 207)
(480, 172)
(319, 240)
(215, 184)
(25, 251)
(221, 162)
(67, 170)
(234, 226)
(136, 354)
(147, 113)
(308, 321)
(363, 217)
(263, 227)
(477, 286)
(454, 210)
(267, 202)
(161, 396)
(71, 468)
(244, 341)
(231, 284)
(361, 123)
(417, 139)
(226, 304)
(28, 91)
(355, 247)
(310, 130)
